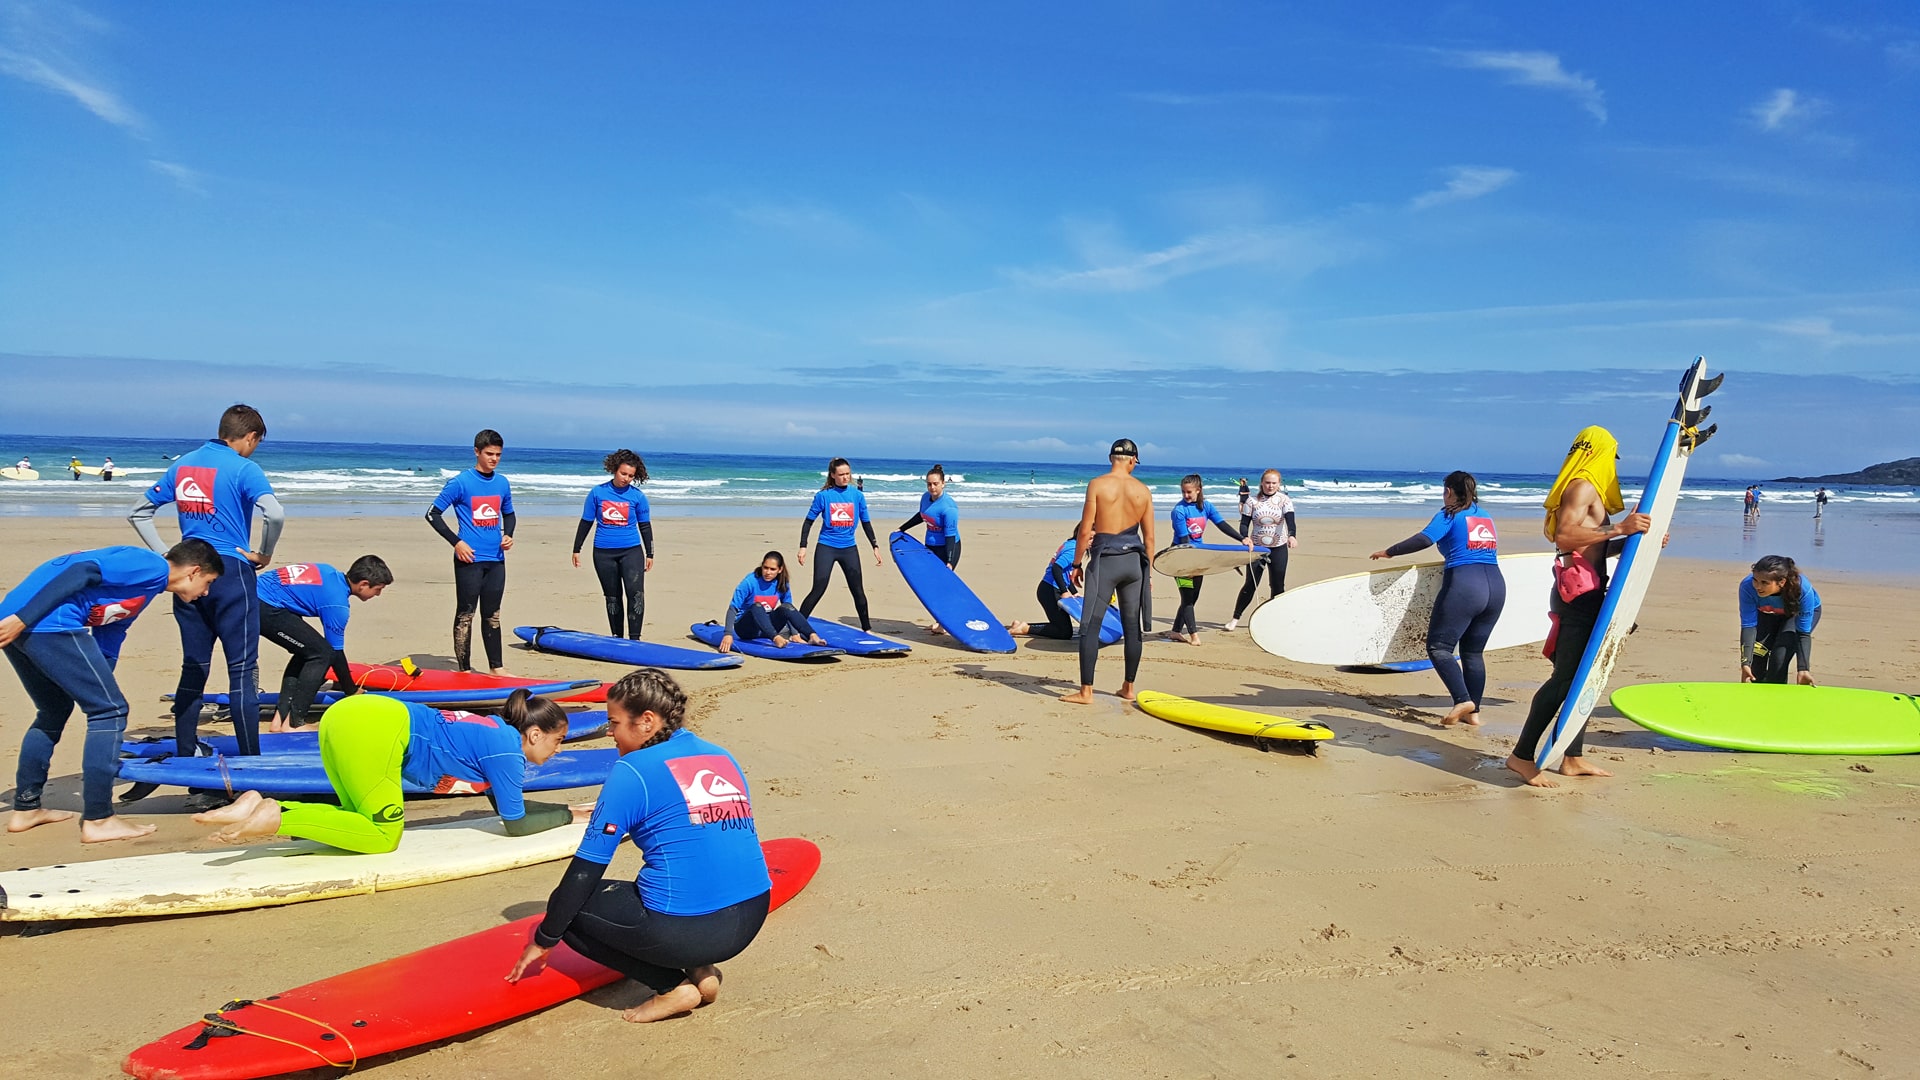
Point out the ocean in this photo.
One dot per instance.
(1865, 528)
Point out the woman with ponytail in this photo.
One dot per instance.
(369, 744)
(702, 894)
(1778, 611)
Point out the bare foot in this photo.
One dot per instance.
(779, 641)
(22, 820)
(234, 812)
(112, 828)
(1193, 638)
(706, 978)
(1019, 629)
(818, 640)
(681, 999)
(503, 672)
(263, 822)
(1573, 766)
(1082, 696)
(278, 725)
(1461, 713)
(1529, 772)
(937, 630)
(1126, 691)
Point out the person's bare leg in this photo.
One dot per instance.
(236, 811)
(1126, 691)
(1083, 696)
(681, 999)
(22, 820)
(706, 978)
(263, 822)
(1574, 766)
(102, 830)
(1529, 772)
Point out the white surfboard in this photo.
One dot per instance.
(1198, 560)
(1634, 572)
(1381, 616)
(263, 875)
(14, 472)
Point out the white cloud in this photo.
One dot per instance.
(1541, 69)
(1297, 250)
(188, 179)
(56, 73)
(1785, 108)
(1741, 461)
(1466, 182)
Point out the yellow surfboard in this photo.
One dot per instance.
(1200, 714)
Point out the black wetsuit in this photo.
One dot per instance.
(1117, 564)
(1575, 623)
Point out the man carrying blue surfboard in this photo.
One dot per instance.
(1114, 548)
(1579, 508)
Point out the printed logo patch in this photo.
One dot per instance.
(976, 624)
(840, 515)
(713, 787)
(1196, 528)
(486, 511)
(614, 514)
(768, 602)
(299, 574)
(193, 489)
(610, 829)
(1480, 534)
(115, 611)
(461, 716)
(449, 785)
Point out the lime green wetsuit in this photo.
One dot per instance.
(363, 745)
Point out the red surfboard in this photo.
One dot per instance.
(422, 997)
(396, 677)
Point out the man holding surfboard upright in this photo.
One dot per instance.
(1579, 509)
(1114, 545)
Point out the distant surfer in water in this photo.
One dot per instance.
(1267, 516)
(1820, 502)
(1579, 508)
(622, 526)
(370, 744)
(942, 518)
(1778, 611)
(1114, 544)
(1472, 593)
(843, 505)
(704, 890)
(762, 608)
(106, 469)
(482, 503)
(1055, 582)
(1189, 519)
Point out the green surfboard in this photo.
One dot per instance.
(1776, 719)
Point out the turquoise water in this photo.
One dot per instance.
(1866, 528)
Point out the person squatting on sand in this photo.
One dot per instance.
(1115, 543)
(1778, 612)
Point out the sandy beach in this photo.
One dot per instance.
(1018, 887)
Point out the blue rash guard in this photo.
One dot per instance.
(685, 804)
(1464, 537)
(842, 508)
(482, 503)
(1190, 521)
(1057, 570)
(214, 489)
(312, 590)
(617, 514)
(455, 752)
(754, 589)
(102, 590)
(1753, 605)
(942, 517)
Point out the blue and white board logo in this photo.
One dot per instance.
(976, 624)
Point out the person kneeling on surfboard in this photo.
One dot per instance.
(1115, 541)
(1055, 583)
(762, 607)
(1579, 506)
(1472, 593)
(704, 890)
(1778, 611)
(299, 591)
(369, 743)
(62, 628)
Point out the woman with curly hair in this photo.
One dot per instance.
(623, 544)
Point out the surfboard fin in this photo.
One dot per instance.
(1708, 386)
(1691, 439)
(138, 792)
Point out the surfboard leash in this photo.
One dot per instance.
(217, 1025)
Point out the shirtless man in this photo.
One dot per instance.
(1113, 545)
(1578, 510)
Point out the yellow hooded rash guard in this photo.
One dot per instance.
(1592, 458)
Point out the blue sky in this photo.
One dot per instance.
(1398, 236)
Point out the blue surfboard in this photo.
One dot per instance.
(621, 650)
(857, 642)
(1111, 629)
(580, 725)
(798, 651)
(1391, 667)
(302, 774)
(480, 696)
(948, 599)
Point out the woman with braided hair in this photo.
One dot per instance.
(703, 892)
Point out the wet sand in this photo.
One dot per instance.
(1016, 887)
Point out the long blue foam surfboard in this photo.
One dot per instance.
(1391, 667)
(857, 642)
(1111, 629)
(622, 650)
(1634, 572)
(580, 725)
(798, 651)
(954, 606)
(481, 696)
(302, 774)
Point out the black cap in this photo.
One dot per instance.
(1123, 448)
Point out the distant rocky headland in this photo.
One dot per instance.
(1902, 473)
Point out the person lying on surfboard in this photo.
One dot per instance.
(370, 743)
(762, 607)
(704, 891)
